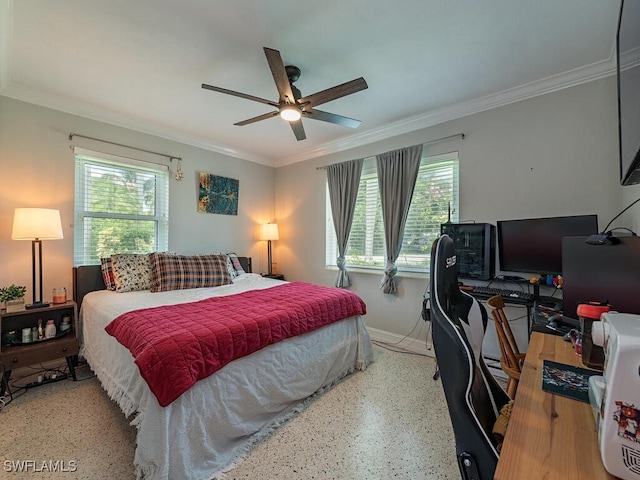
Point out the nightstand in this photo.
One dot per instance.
(275, 276)
(18, 354)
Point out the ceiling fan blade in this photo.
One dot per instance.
(279, 75)
(241, 95)
(257, 119)
(334, 92)
(298, 130)
(331, 118)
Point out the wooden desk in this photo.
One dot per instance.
(549, 436)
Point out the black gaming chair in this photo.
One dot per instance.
(473, 396)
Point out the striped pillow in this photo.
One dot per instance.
(178, 272)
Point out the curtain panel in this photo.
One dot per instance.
(344, 180)
(397, 173)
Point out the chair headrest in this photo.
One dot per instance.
(462, 309)
(444, 271)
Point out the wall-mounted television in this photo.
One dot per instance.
(628, 73)
(534, 245)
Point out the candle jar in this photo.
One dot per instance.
(59, 295)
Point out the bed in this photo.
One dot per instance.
(208, 428)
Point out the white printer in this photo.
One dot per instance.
(615, 396)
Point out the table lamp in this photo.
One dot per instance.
(36, 224)
(268, 232)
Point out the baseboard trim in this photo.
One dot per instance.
(414, 345)
(410, 344)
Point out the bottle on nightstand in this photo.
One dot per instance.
(50, 329)
(65, 324)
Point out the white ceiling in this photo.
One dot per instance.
(140, 64)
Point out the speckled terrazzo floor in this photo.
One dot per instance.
(390, 421)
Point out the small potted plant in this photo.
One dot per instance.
(13, 297)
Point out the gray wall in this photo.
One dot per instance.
(551, 155)
(37, 170)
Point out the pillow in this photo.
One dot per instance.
(177, 272)
(107, 273)
(236, 263)
(131, 272)
(230, 268)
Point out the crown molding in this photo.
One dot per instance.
(80, 109)
(544, 86)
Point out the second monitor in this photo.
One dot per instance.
(534, 245)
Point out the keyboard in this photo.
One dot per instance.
(513, 296)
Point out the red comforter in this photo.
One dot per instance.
(174, 346)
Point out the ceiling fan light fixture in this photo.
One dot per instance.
(291, 105)
(290, 113)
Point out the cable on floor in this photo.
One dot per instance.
(387, 345)
(42, 375)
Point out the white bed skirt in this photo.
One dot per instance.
(211, 426)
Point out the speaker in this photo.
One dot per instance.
(475, 248)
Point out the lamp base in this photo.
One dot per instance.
(33, 306)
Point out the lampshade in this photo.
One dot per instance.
(269, 231)
(36, 223)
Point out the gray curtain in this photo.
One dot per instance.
(397, 173)
(343, 179)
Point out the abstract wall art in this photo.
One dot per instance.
(218, 194)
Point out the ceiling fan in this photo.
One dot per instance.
(292, 106)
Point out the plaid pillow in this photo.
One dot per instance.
(236, 263)
(107, 273)
(177, 272)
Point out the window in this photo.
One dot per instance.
(121, 206)
(434, 196)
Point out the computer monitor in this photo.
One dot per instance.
(534, 245)
(601, 273)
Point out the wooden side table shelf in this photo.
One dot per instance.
(24, 354)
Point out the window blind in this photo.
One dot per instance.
(120, 207)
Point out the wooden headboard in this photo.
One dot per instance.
(88, 278)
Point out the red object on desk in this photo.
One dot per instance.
(576, 341)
